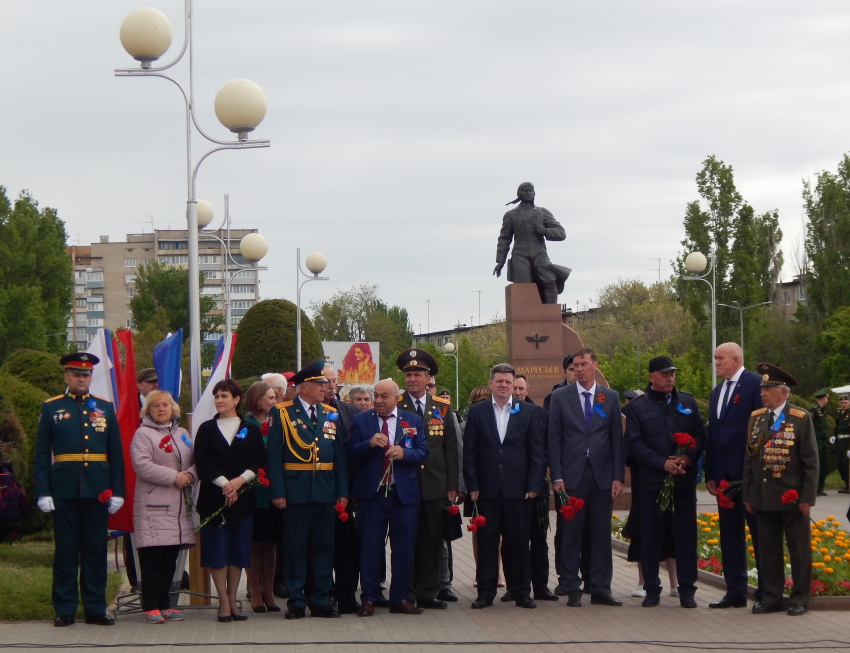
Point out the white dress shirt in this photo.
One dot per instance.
(502, 416)
(416, 402)
(723, 398)
(776, 412)
(591, 390)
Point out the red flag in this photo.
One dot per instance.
(127, 395)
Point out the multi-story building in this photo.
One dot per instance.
(105, 274)
(788, 295)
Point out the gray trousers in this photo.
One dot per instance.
(446, 566)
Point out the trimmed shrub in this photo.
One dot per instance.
(38, 368)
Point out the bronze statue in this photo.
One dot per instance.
(530, 227)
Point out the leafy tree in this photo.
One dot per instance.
(37, 286)
(266, 340)
(491, 342)
(835, 340)
(37, 368)
(162, 286)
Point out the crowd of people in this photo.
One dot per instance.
(303, 490)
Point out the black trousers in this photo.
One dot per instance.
(425, 580)
(346, 561)
(795, 526)
(539, 547)
(130, 562)
(652, 537)
(157, 565)
(733, 548)
(824, 449)
(841, 461)
(509, 520)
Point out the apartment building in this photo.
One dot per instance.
(105, 274)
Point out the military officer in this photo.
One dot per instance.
(819, 420)
(781, 456)
(307, 475)
(438, 477)
(78, 468)
(842, 441)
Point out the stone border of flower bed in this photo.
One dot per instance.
(816, 603)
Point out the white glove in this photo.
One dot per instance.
(45, 504)
(848, 453)
(832, 440)
(115, 504)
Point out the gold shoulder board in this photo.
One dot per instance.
(758, 412)
(441, 400)
(400, 397)
(283, 404)
(329, 408)
(796, 412)
(53, 398)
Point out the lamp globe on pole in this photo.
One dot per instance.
(696, 262)
(240, 105)
(253, 247)
(146, 35)
(449, 348)
(316, 263)
(204, 212)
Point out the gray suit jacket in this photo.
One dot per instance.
(569, 440)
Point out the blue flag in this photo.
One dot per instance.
(166, 360)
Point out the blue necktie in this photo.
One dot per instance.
(669, 399)
(587, 410)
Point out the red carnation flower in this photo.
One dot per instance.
(164, 441)
(264, 428)
(168, 448)
(453, 510)
(567, 511)
(472, 528)
(725, 502)
(723, 484)
(576, 503)
(479, 520)
(105, 496)
(339, 508)
(261, 472)
(343, 516)
(683, 439)
(789, 496)
(404, 425)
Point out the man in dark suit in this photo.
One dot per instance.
(503, 470)
(568, 371)
(731, 403)
(586, 461)
(346, 538)
(438, 475)
(651, 422)
(390, 445)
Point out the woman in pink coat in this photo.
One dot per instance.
(164, 463)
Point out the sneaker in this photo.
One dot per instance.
(638, 592)
(154, 617)
(172, 615)
(675, 592)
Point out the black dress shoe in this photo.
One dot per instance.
(325, 612)
(447, 595)
(761, 608)
(729, 602)
(545, 595)
(272, 608)
(822, 494)
(294, 613)
(239, 617)
(225, 620)
(524, 601)
(100, 620)
(844, 490)
(687, 602)
(651, 600)
(259, 608)
(560, 591)
(507, 597)
(63, 620)
(279, 590)
(574, 599)
(796, 610)
(349, 608)
(480, 603)
(432, 604)
(604, 599)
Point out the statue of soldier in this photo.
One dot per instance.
(530, 227)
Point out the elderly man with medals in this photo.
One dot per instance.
(307, 474)
(779, 487)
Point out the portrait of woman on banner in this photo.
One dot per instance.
(357, 366)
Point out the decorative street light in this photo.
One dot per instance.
(448, 348)
(239, 105)
(637, 344)
(316, 264)
(740, 310)
(696, 262)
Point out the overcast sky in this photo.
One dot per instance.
(400, 129)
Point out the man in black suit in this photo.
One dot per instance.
(586, 461)
(732, 402)
(503, 469)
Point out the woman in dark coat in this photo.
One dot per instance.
(229, 452)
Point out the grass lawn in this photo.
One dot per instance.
(26, 578)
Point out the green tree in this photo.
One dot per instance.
(37, 368)
(835, 340)
(266, 340)
(37, 286)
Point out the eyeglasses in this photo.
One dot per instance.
(431, 385)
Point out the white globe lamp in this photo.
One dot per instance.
(449, 348)
(240, 105)
(696, 262)
(146, 35)
(253, 247)
(316, 263)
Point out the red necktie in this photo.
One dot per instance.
(386, 431)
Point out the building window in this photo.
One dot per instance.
(129, 278)
(241, 303)
(235, 319)
(212, 274)
(801, 293)
(786, 296)
(213, 336)
(211, 290)
(95, 322)
(209, 258)
(244, 274)
(129, 262)
(243, 290)
(81, 331)
(80, 274)
(174, 260)
(94, 276)
(129, 310)
(130, 292)
(81, 302)
(130, 324)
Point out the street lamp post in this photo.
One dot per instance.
(637, 344)
(316, 264)
(448, 348)
(696, 262)
(240, 106)
(741, 310)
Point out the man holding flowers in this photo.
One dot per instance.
(779, 488)
(666, 435)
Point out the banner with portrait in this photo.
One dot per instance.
(355, 362)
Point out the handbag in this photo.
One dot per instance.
(452, 525)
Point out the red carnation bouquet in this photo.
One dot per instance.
(259, 479)
(683, 442)
(105, 496)
(340, 511)
(725, 492)
(477, 521)
(569, 505)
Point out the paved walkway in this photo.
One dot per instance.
(504, 627)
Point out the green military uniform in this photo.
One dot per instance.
(842, 444)
(781, 455)
(819, 421)
(307, 468)
(77, 457)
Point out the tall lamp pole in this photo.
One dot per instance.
(479, 307)
(448, 348)
(695, 262)
(240, 106)
(316, 264)
(741, 310)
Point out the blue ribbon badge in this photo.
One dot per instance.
(514, 410)
(331, 417)
(242, 433)
(186, 441)
(683, 410)
(598, 410)
(437, 415)
(93, 406)
(778, 422)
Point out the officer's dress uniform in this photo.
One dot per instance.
(307, 468)
(782, 455)
(819, 423)
(78, 455)
(842, 444)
